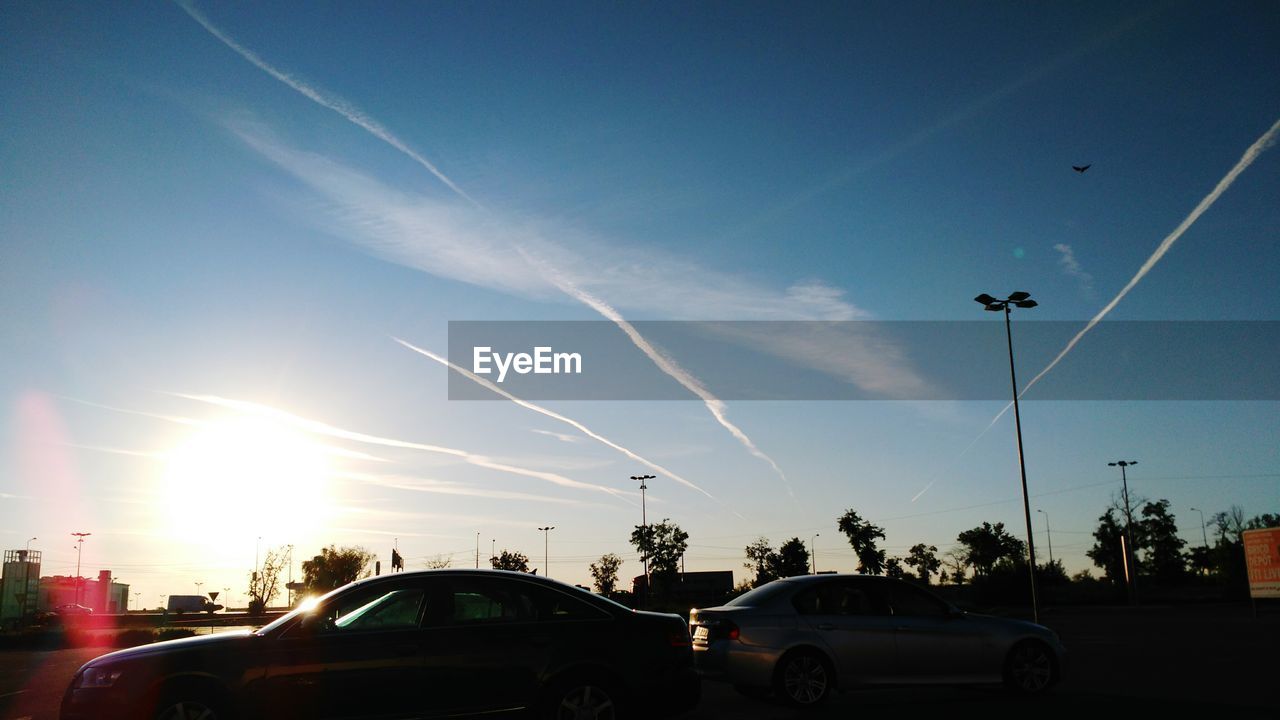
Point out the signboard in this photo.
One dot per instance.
(1262, 557)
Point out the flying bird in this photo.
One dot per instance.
(1080, 169)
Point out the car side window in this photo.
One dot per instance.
(553, 605)
(908, 600)
(841, 598)
(377, 610)
(490, 602)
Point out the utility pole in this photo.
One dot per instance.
(477, 550)
(813, 554)
(1131, 550)
(79, 536)
(644, 524)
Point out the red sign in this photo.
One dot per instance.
(1262, 556)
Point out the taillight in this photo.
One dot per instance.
(730, 630)
(679, 639)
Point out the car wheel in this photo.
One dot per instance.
(1030, 668)
(803, 679)
(190, 703)
(582, 699)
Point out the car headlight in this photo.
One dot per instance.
(98, 677)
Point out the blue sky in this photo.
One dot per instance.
(181, 228)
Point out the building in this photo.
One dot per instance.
(104, 595)
(19, 583)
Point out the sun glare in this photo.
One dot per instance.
(245, 477)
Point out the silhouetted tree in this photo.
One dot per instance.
(793, 558)
(893, 569)
(508, 560)
(763, 561)
(264, 581)
(439, 562)
(661, 545)
(924, 558)
(862, 538)
(987, 545)
(1107, 553)
(1156, 535)
(335, 567)
(957, 561)
(604, 573)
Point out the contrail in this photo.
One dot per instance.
(1262, 143)
(359, 118)
(553, 415)
(1267, 140)
(664, 363)
(319, 428)
(325, 99)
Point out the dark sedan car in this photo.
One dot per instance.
(419, 644)
(802, 637)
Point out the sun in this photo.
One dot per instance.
(244, 477)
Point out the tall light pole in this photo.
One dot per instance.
(1130, 549)
(1203, 533)
(644, 524)
(546, 556)
(79, 546)
(1022, 300)
(1048, 533)
(477, 551)
(29, 543)
(813, 552)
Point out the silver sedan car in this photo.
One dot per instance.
(803, 637)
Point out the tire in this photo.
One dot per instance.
(582, 698)
(803, 679)
(1030, 668)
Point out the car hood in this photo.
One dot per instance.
(226, 640)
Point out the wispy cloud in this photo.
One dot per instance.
(320, 428)
(553, 415)
(444, 487)
(323, 98)
(1071, 267)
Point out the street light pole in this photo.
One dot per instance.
(546, 556)
(477, 551)
(1203, 533)
(644, 524)
(1130, 549)
(1022, 300)
(79, 546)
(813, 552)
(1048, 533)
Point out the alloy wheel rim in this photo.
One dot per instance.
(586, 702)
(805, 680)
(1032, 669)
